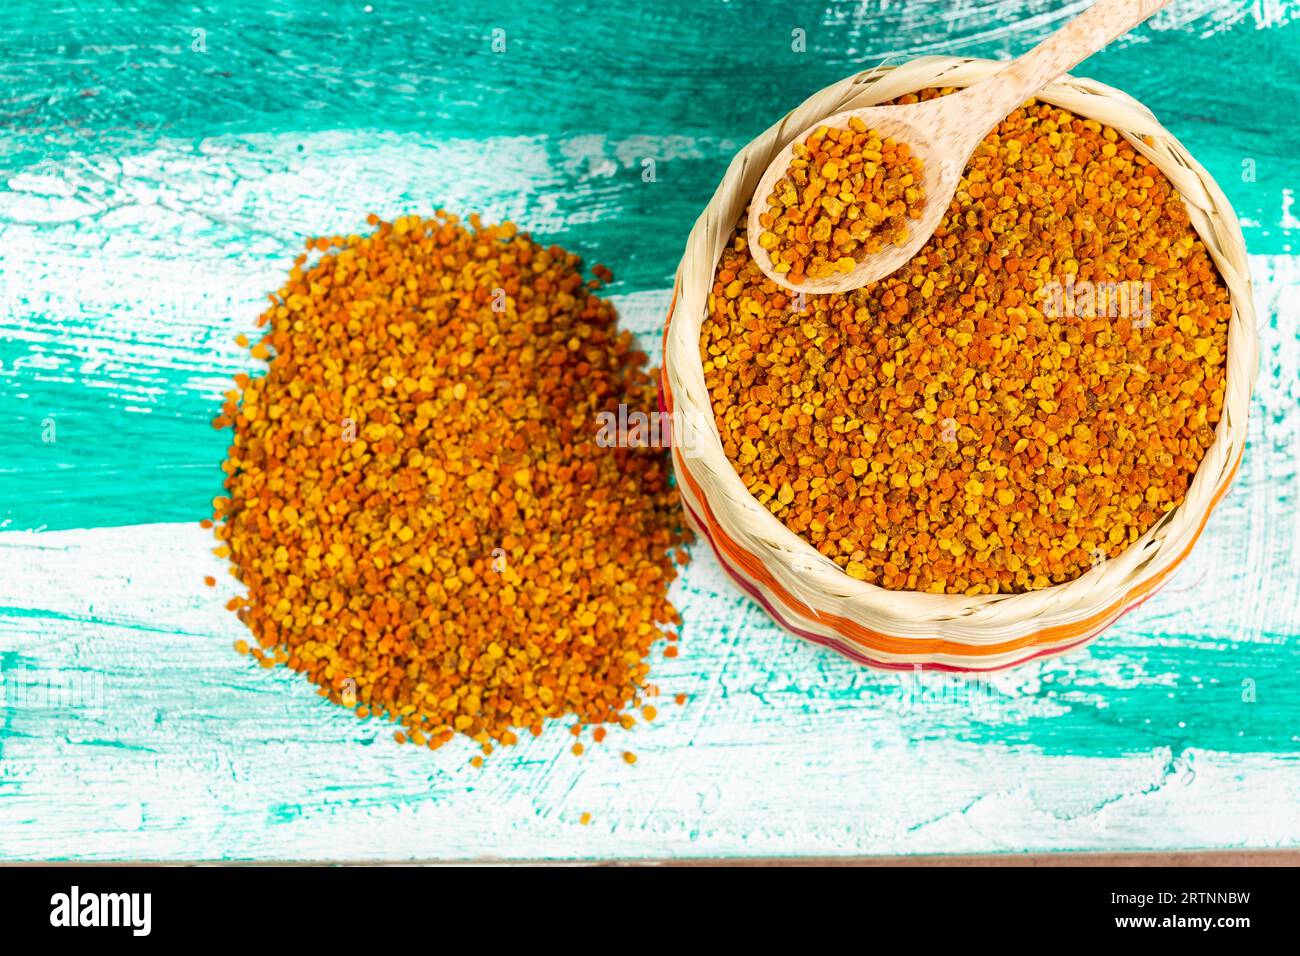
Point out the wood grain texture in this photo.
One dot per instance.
(150, 195)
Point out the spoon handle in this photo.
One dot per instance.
(1104, 21)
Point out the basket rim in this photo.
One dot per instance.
(965, 619)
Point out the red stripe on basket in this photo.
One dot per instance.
(852, 651)
(1137, 594)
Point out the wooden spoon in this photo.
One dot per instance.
(943, 133)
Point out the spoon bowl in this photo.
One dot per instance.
(912, 124)
(943, 133)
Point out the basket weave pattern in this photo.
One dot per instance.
(813, 598)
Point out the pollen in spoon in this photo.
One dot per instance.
(847, 193)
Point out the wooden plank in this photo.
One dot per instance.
(151, 194)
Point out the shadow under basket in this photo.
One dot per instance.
(810, 596)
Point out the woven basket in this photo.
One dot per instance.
(812, 597)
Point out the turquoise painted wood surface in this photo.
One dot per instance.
(159, 169)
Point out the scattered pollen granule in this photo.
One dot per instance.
(418, 506)
(1023, 399)
(847, 194)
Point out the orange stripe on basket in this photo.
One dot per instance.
(751, 565)
(668, 320)
(851, 649)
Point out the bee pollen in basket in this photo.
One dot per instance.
(1024, 398)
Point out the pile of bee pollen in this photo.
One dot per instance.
(416, 501)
